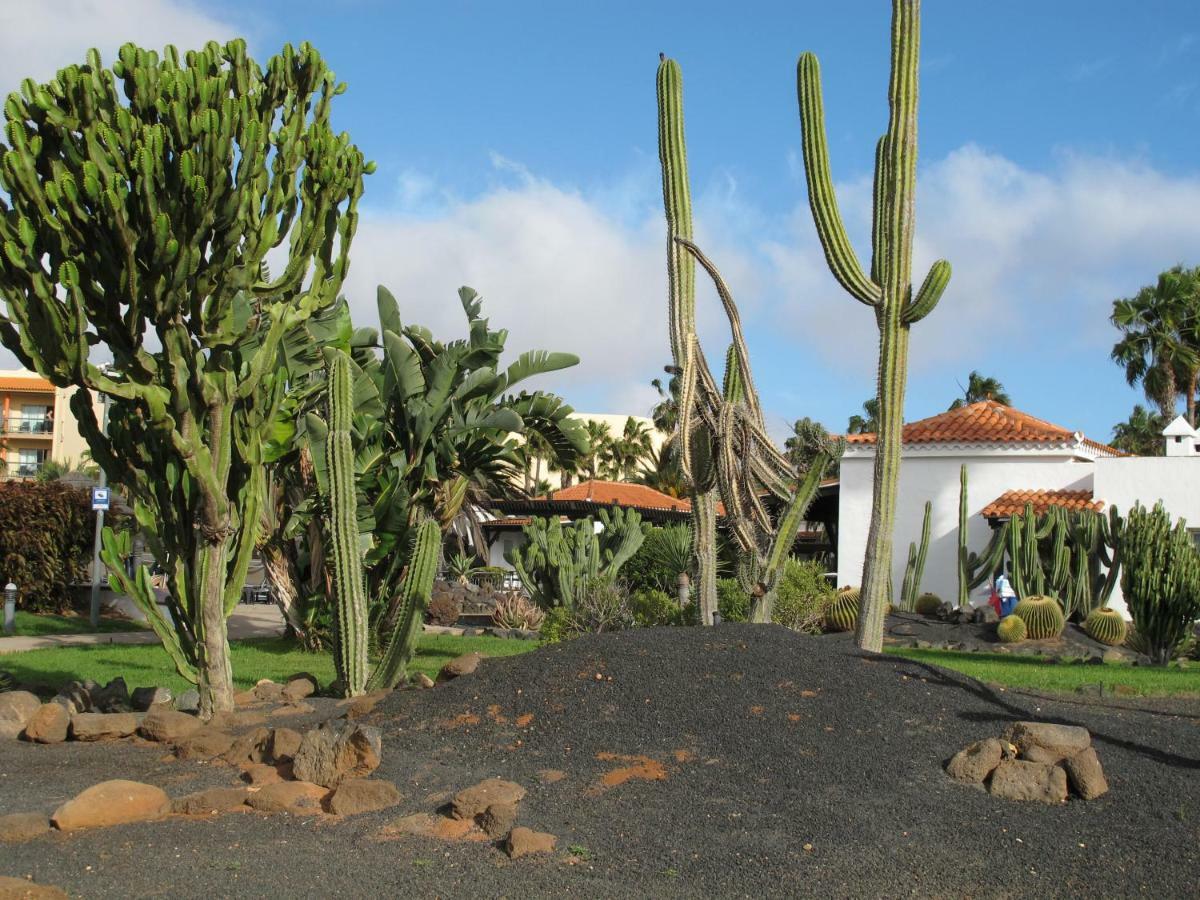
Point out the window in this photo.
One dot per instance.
(1195, 533)
(35, 417)
(29, 461)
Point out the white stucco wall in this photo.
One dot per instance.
(933, 475)
(1175, 481)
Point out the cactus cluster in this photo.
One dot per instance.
(887, 289)
(1043, 616)
(914, 571)
(721, 433)
(558, 562)
(928, 604)
(1011, 629)
(1106, 626)
(842, 612)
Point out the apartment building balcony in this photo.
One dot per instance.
(29, 426)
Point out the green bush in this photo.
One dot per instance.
(554, 626)
(602, 606)
(802, 596)
(656, 565)
(652, 607)
(733, 603)
(45, 542)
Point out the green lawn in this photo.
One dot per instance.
(1036, 673)
(37, 625)
(143, 665)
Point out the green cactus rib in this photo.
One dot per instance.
(1106, 626)
(888, 289)
(345, 555)
(415, 590)
(915, 570)
(963, 559)
(842, 612)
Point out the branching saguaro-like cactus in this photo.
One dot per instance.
(721, 431)
(887, 289)
(137, 207)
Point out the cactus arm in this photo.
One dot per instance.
(822, 198)
(930, 293)
(415, 590)
(963, 558)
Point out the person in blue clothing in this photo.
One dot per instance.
(1008, 597)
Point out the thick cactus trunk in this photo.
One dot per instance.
(704, 531)
(215, 671)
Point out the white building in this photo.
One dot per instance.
(1011, 458)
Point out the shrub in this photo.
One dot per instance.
(1136, 642)
(1043, 617)
(1160, 578)
(1011, 629)
(656, 565)
(802, 596)
(652, 607)
(842, 613)
(733, 603)
(603, 605)
(45, 542)
(444, 609)
(554, 626)
(515, 610)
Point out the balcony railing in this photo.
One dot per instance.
(28, 425)
(19, 470)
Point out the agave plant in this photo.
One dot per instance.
(461, 566)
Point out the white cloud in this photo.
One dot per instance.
(39, 38)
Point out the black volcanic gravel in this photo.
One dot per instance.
(791, 766)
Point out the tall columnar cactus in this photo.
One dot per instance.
(345, 553)
(556, 563)
(1160, 580)
(964, 560)
(725, 448)
(137, 208)
(887, 289)
(915, 570)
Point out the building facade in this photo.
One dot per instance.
(38, 425)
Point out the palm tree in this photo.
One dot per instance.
(868, 424)
(1158, 347)
(661, 471)
(1141, 433)
(980, 388)
(808, 438)
(626, 453)
(665, 413)
(599, 436)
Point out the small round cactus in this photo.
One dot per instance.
(1043, 617)
(842, 612)
(1106, 626)
(928, 604)
(1011, 630)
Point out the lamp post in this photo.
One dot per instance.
(95, 605)
(10, 608)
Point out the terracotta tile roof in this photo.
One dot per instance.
(26, 383)
(1011, 502)
(986, 422)
(621, 494)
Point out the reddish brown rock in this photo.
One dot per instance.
(1087, 775)
(284, 744)
(23, 826)
(250, 747)
(48, 725)
(361, 795)
(498, 819)
(16, 709)
(364, 705)
(423, 681)
(103, 726)
(206, 743)
(238, 718)
(300, 797)
(470, 802)
(20, 889)
(299, 686)
(1016, 779)
(267, 691)
(163, 724)
(975, 763)
(246, 698)
(524, 842)
(332, 753)
(112, 803)
(261, 774)
(459, 666)
(211, 802)
(1045, 743)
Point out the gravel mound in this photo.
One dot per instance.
(731, 762)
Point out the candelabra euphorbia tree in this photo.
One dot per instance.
(887, 289)
(142, 202)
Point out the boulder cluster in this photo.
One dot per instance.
(1036, 761)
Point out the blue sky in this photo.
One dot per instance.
(1060, 169)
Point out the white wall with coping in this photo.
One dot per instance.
(932, 473)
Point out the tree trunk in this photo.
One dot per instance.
(215, 670)
(877, 563)
(1194, 376)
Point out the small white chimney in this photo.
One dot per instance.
(1181, 438)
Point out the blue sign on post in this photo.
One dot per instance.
(99, 498)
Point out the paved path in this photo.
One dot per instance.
(249, 620)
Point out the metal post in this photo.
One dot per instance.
(96, 564)
(10, 608)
